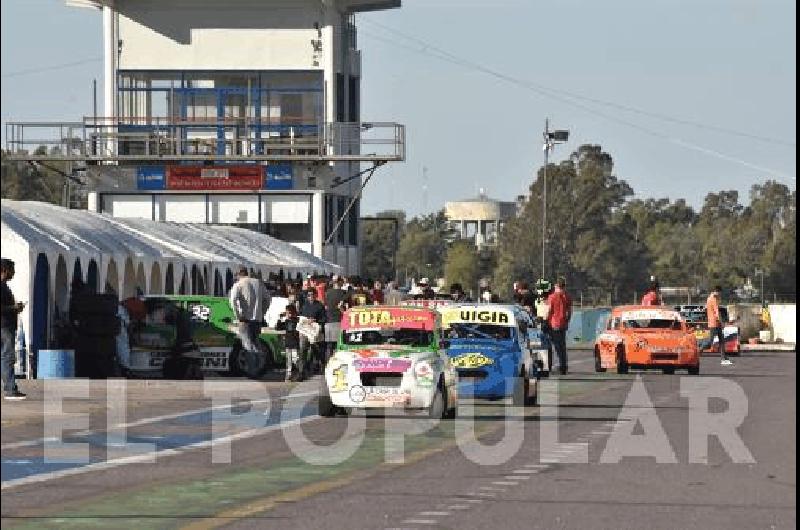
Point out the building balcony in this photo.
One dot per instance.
(147, 139)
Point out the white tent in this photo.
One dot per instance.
(51, 246)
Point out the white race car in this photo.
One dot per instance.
(390, 357)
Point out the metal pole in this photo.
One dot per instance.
(544, 192)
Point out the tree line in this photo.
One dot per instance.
(604, 240)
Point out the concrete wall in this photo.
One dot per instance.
(784, 322)
(230, 35)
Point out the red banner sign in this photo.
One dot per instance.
(249, 177)
(388, 317)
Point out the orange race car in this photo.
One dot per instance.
(646, 337)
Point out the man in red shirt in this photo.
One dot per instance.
(651, 297)
(558, 315)
(715, 323)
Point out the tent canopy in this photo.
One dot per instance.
(46, 228)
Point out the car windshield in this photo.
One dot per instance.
(401, 336)
(653, 323)
(479, 331)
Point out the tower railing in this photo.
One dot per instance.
(230, 139)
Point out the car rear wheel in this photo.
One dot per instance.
(694, 370)
(251, 364)
(622, 362)
(669, 370)
(598, 365)
(438, 406)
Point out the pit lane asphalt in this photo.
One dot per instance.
(265, 486)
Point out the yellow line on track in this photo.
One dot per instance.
(272, 501)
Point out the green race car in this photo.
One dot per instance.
(167, 323)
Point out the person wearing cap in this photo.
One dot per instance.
(8, 323)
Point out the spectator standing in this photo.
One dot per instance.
(378, 296)
(715, 323)
(652, 296)
(249, 300)
(335, 304)
(393, 295)
(526, 299)
(457, 293)
(8, 323)
(360, 296)
(295, 366)
(314, 310)
(558, 315)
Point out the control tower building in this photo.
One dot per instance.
(237, 112)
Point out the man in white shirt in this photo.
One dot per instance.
(249, 300)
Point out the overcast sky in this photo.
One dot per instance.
(725, 68)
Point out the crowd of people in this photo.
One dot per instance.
(313, 308)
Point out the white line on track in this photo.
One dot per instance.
(433, 514)
(420, 521)
(517, 477)
(525, 471)
(147, 421)
(150, 455)
(504, 483)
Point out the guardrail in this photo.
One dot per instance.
(226, 139)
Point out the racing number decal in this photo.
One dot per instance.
(200, 312)
(339, 379)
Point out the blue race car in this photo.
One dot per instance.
(489, 347)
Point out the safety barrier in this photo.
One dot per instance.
(585, 325)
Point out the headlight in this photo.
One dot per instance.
(536, 344)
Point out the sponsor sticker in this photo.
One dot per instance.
(497, 317)
(471, 360)
(381, 364)
(358, 318)
(391, 394)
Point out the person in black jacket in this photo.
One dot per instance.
(314, 310)
(295, 367)
(8, 322)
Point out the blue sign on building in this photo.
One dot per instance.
(279, 177)
(151, 178)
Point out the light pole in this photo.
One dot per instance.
(551, 138)
(760, 272)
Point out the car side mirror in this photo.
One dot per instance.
(444, 344)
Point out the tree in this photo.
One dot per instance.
(22, 182)
(588, 239)
(423, 247)
(462, 265)
(380, 238)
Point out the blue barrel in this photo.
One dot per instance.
(55, 364)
